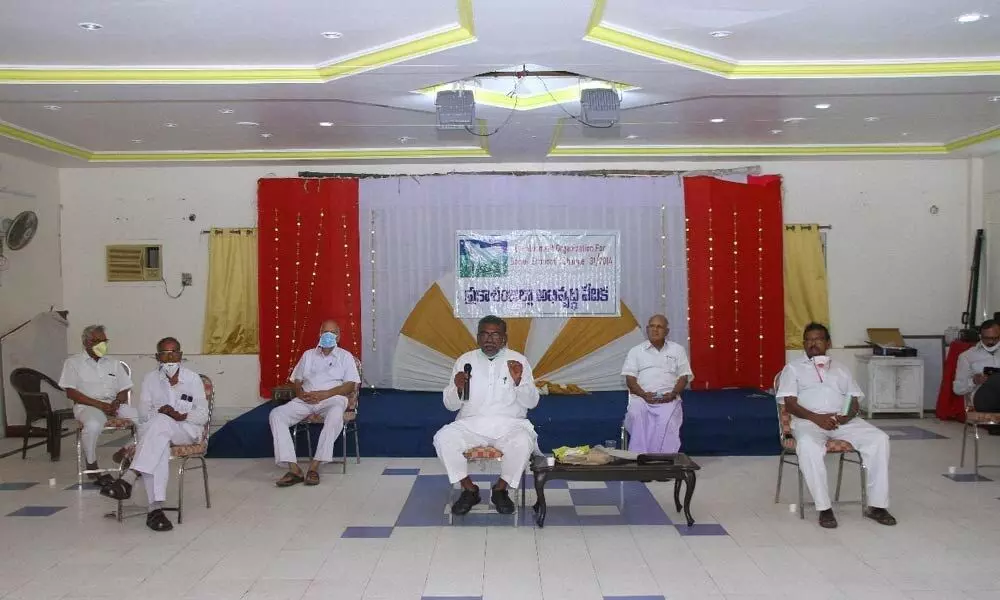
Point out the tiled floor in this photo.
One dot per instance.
(381, 532)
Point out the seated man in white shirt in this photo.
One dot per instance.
(656, 372)
(823, 399)
(970, 372)
(173, 410)
(501, 389)
(98, 386)
(323, 378)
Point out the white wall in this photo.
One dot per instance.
(891, 263)
(991, 205)
(32, 281)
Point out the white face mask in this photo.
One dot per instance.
(821, 360)
(170, 369)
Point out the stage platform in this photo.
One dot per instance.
(395, 423)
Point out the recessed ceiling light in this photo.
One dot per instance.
(823, 106)
(905, 133)
(994, 98)
(136, 141)
(793, 120)
(248, 123)
(52, 107)
(332, 35)
(404, 139)
(718, 120)
(326, 123)
(721, 34)
(265, 135)
(871, 119)
(91, 26)
(631, 136)
(226, 111)
(775, 131)
(971, 17)
(171, 125)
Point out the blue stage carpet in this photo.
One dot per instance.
(402, 424)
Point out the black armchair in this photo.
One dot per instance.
(28, 383)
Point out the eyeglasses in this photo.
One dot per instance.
(490, 335)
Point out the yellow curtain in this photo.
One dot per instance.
(231, 325)
(432, 323)
(805, 282)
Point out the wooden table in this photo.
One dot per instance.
(681, 469)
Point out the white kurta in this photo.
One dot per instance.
(317, 371)
(972, 362)
(494, 415)
(158, 431)
(101, 380)
(826, 390)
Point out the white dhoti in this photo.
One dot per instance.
(870, 441)
(282, 418)
(654, 428)
(516, 438)
(93, 421)
(152, 454)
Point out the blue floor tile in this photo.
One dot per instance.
(965, 477)
(702, 529)
(367, 532)
(451, 598)
(635, 598)
(36, 511)
(16, 486)
(391, 471)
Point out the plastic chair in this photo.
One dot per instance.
(973, 420)
(28, 384)
(113, 424)
(788, 445)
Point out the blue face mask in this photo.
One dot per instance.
(328, 339)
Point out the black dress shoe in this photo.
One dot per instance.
(466, 501)
(501, 500)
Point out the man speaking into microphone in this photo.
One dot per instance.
(492, 389)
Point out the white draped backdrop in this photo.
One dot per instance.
(414, 220)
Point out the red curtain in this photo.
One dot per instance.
(735, 282)
(308, 269)
(951, 406)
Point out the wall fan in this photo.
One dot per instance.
(16, 233)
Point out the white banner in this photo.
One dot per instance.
(537, 273)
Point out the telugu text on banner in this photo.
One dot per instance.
(537, 273)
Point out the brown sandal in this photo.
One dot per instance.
(289, 479)
(312, 478)
(880, 516)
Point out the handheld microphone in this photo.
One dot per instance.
(468, 377)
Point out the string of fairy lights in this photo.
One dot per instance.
(371, 258)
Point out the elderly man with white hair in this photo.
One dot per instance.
(98, 386)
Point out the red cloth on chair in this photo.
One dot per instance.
(951, 406)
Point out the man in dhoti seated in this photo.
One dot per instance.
(98, 386)
(823, 399)
(324, 377)
(492, 389)
(173, 410)
(656, 372)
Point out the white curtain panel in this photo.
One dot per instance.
(415, 220)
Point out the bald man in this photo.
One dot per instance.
(324, 377)
(656, 372)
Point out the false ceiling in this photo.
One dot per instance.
(167, 81)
